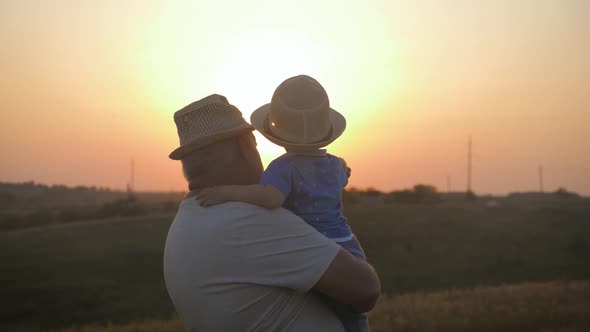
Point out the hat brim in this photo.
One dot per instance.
(200, 142)
(259, 117)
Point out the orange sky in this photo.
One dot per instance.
(87, 85)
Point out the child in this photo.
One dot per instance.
(306, 180)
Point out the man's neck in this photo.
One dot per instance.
(238, 173)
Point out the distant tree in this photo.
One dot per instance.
(426, 193)
(123, 208)
(470, 196)
(420, 194)
(351, 196)
(29, 185)
(563, 193)
(59, 188)
(401, 196)
(373, 192)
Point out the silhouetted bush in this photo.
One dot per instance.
(373, 192)
(351, 196)
(563, 193)
(400, 196)
(420, 194)
(426, 193)
(123, 208)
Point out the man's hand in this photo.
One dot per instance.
(349, 280)
(214, 195)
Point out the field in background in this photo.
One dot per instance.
(101, 270)
(28, 205)
(417, 248)
(557, 307)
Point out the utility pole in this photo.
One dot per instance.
(132, 175)
(131, 183)
(541, 178)
(469, 165)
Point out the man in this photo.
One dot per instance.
(238, 267)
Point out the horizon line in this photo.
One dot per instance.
(351, 188)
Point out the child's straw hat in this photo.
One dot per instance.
(299, 116)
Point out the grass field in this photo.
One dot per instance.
(552, 306)
(112, 271)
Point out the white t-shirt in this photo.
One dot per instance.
(239, 267)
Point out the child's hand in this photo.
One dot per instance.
(213, 196)
(348, 170)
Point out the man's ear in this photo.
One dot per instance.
(247, 145)
(248, 151)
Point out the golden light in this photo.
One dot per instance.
(246, 67)
(246, 60)
(254, 63)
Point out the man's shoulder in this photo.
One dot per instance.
(222, 225)
(238, 220)
(232, 212)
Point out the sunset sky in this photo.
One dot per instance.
(87, 85)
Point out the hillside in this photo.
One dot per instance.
(103, 272)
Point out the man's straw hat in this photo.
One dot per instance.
(205, 121)
(299, 116)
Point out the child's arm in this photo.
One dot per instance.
(265, 196)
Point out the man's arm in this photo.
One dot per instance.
(351, 281)
(265, 196)
(277, 248)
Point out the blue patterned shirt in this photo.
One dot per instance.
(312, 184)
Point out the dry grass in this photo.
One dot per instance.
(539, 307)
(554, 306)
(142, 326)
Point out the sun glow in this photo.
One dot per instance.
(246, 59)
(413, 79)
(245, 67)
(257, 61)
(255, 64)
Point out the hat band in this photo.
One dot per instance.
(268, 129)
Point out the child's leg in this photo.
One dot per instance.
(354, 247)
(352, 321)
